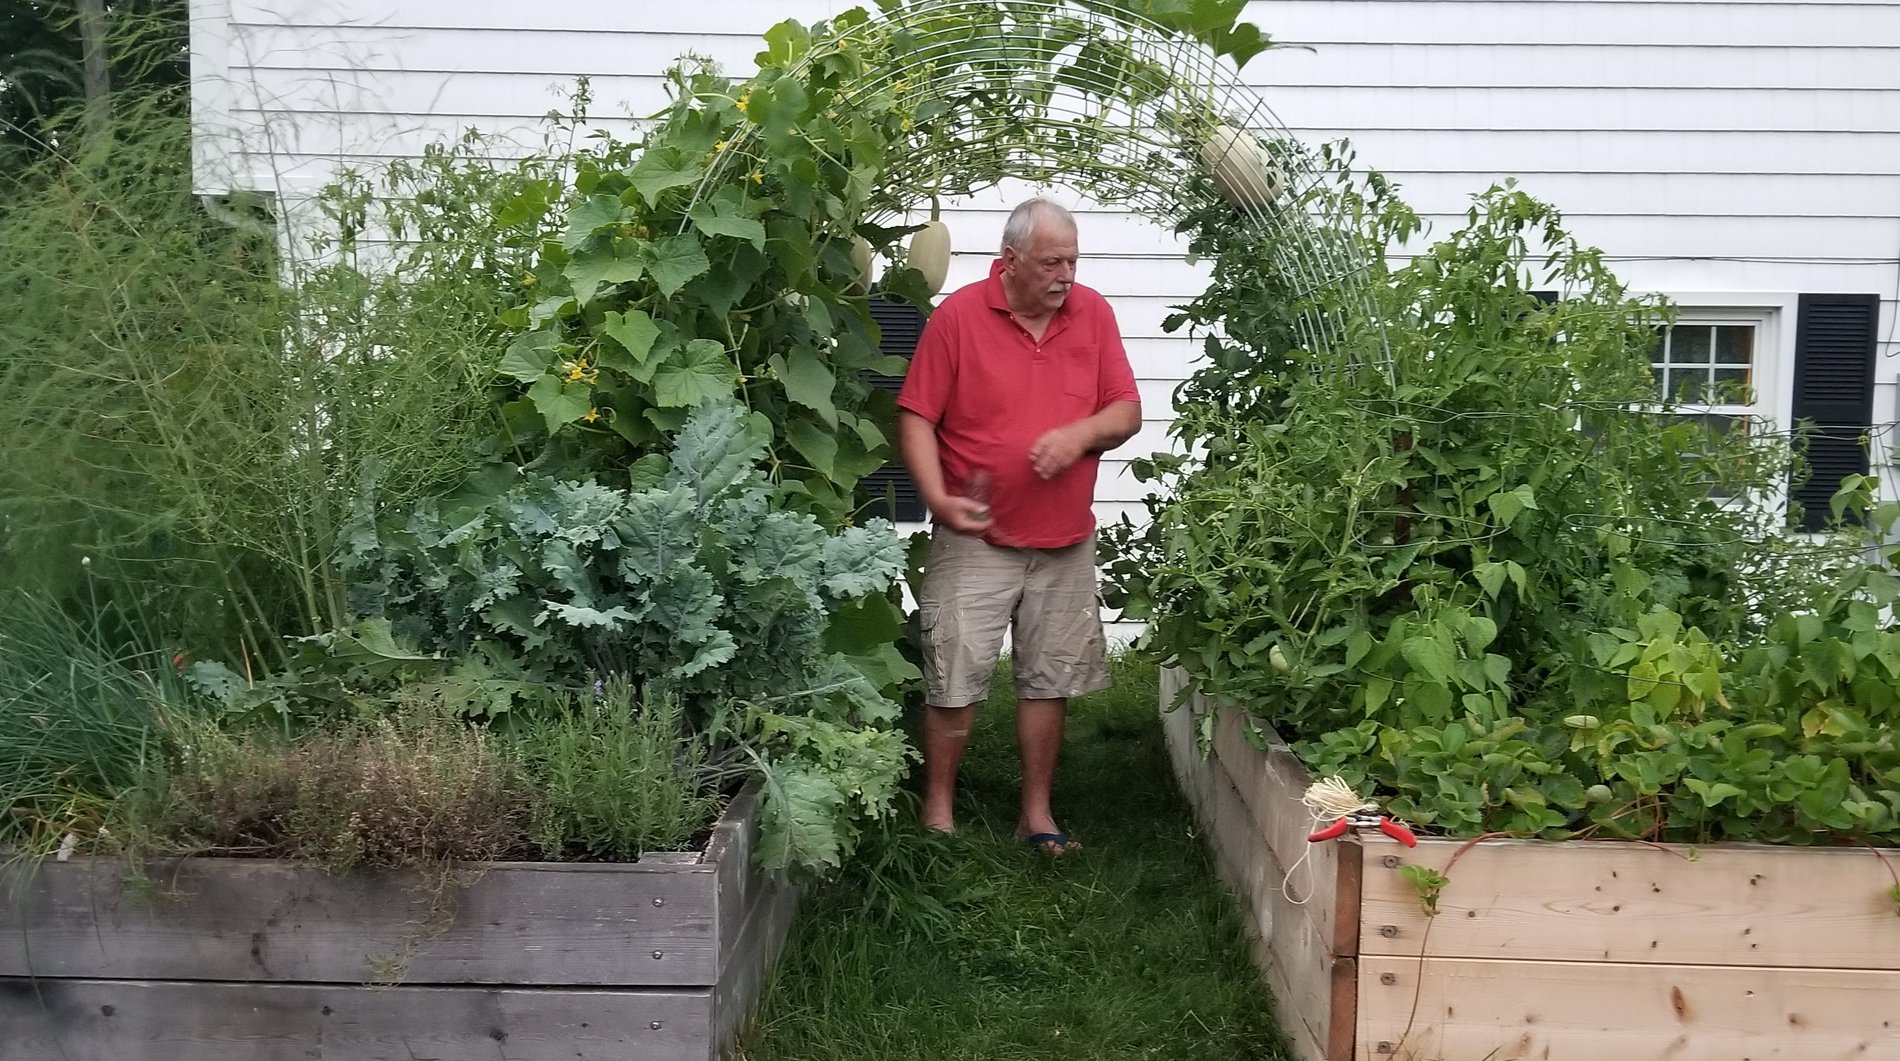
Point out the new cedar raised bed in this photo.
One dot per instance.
(221, 959)
(1557, 951)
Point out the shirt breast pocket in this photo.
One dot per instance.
(1080, 368)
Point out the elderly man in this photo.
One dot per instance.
(1019, 384)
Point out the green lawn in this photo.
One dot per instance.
(975, 947)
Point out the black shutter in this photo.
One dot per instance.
(1833, 394)
(888, 491)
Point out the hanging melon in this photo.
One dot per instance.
(862, 259)
(1241, 168)
(930, 254)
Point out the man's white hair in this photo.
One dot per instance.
(1021, 226)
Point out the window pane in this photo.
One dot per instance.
(1689, 344)
(1731, 386)
(1686, 386)
(1735, 344)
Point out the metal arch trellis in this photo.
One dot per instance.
(1109, 102)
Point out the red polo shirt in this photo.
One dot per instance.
(992, 391)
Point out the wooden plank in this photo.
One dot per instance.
(1299, 1034)
(1296, 904)
(748, 17)
(1342, 1030)
(1223, 819)
(1534, 22)
(1178, 732)
(750, 959)
(136, 1020)
(1300, 998)
(1248, 802)
(1577, 1011)
(755, 911)
(1564, 65)
(1733, 904)
(259, 919)
(653, 923)
(1272, 781)
(735, 878)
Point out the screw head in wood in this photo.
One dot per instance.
(657, 955)
(659, 902)
(1384, 1047)
(1388, 979)
(655, 1025)
(1389, 931)
(1390, 861)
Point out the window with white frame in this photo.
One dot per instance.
(1704, 368)
(1721, 366)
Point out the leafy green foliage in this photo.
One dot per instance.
(276, 443)
(667, 279)
(1469, 559)
(1429, 883)
(711, 258)
(694, 586)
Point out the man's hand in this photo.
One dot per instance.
(1059, 448)
(965, 515)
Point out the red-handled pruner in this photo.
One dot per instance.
(1366, 820)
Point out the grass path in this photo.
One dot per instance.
(974, 947)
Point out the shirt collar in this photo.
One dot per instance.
(993, 290)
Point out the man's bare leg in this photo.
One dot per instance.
(946, 734)
(1039, 738)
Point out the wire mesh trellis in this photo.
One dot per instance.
(1109, 102)
(1118, 107)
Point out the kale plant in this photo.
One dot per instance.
(693, 583)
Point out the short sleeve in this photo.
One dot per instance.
(927, 384)
(1116, 376)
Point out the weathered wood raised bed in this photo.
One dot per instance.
(1572, 951)
(261, 960)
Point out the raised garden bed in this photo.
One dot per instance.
(219, 959)
(1570, 951)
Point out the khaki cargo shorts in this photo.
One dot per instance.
(1046, 598)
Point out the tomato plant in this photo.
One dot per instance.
(1468, 556)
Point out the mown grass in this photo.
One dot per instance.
(975, 947)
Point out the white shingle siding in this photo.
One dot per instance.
(1731, 147)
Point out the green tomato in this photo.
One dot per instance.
(1278, 659)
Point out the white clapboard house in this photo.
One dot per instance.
(1742, 157)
